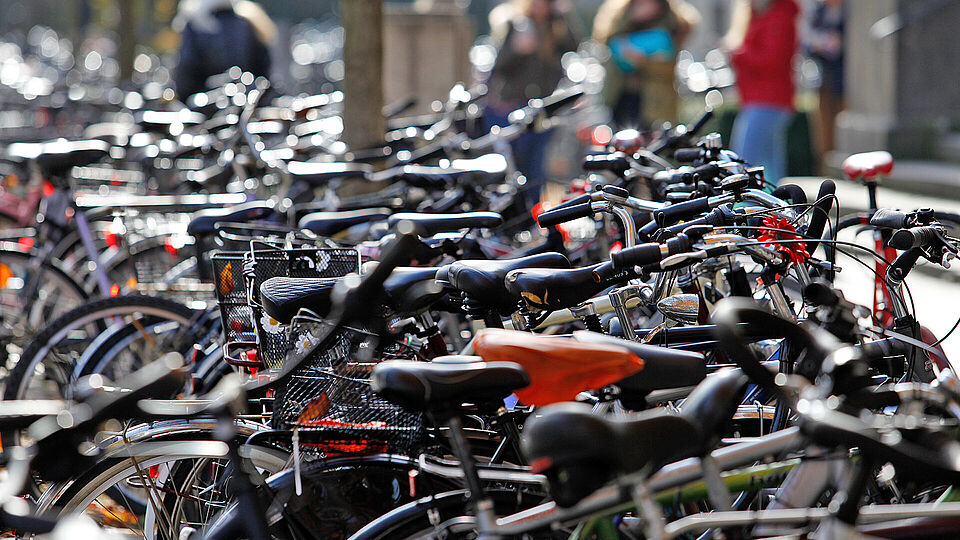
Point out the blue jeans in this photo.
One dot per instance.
(760, 137)
(529, 154)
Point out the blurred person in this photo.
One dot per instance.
(217, 35)
(531, 36)
(824, 44)
(763, 39)
(643, 37)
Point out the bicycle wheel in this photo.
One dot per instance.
(339, 497)
(170, 484)
(120, 347)
(32, 292)
(48, 365)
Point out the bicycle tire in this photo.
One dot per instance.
(53, 275)
(108, 345)
(339, 497)
(18, 380)
(104, 478)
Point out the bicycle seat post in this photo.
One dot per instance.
(483, 506)
(872, 194)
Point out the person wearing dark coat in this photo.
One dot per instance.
(217, 35)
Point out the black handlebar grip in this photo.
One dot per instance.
(687, 155)
(555, 102)
(638, 255)
(557, 216)
(702, 121)
(680, 211)
(914, 237)
(576, 201)
(890, 219)
(679, 244)
(705, 172)
(604, 272)
(791, 192)
(616, 163)
(648, 229)
(821, 211)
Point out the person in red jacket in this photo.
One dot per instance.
(763, 63)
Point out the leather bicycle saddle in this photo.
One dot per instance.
(317, 174)
(552, 289)
(412, 289)
(480, 170)
(559, 367)
(868, 166)
(205, 221)
(331, 223)
(56, 158)
(408, 290)
(282, 297)
(662, 367)
(712, 404)
(484, 280)
(431, 224)
(161, 121)
(579, 451)
(445, 385)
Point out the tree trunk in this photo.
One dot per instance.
(128, 38)
(363, 122)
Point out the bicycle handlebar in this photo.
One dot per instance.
(821, 212)
(687, 155)
(890, 219)
(680, 211)
(673, 141)
(915, 237)
(556, 216)
(639, 255)
(792, 192)
(553, 103)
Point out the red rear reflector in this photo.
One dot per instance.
(171, 249)
(602, 135)
(25, 243)
(541, 464)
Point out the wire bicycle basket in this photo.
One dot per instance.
(330, 394)
(238, 276)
